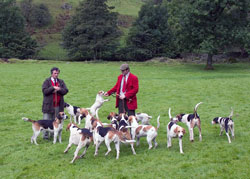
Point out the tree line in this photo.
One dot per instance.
(163, 28)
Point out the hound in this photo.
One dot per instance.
(80, 137)
(73, 111)
(191, 120)
(108, 134)
(98, 103)
(143, 118)
(55, 126)
(225, 123)
(174, 130)
(84, 113)
(113, 117)
(90, 121)
(123, 127)
(148, 131)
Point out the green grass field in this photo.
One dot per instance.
(162, 85)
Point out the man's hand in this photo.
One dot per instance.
(56, 89)
(106, 94)
(122, 96)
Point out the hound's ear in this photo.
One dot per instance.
(130, 118)
(184, 131)
(59, 116)
(109, 117)
(118, 118)
(68, 126)
(176, 130)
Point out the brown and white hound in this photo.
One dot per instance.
(53, 126)
(174, 130)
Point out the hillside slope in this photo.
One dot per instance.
(50, 37)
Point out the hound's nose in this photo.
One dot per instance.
(180, 136)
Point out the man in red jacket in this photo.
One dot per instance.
(125, 88)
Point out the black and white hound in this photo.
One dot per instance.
(108, 134)
(73, 111)
(191, 120)
(225, 123)
(119, 122)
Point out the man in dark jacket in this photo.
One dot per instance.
(53, 90)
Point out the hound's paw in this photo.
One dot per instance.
(82, 156)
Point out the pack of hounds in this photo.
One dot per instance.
(121, 129)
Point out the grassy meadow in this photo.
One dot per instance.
(161, 85)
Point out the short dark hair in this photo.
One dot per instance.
(54, 69)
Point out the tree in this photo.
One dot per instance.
(92, 33)
(35, 15)
(211, 26)
(14, 41)
(150, 35)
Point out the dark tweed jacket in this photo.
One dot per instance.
(47, 90)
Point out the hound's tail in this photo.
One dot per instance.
(27, 119)
(169, 113)
(158, 122)
(123, 138)
(127, 141)
(97, 113)
(130, 127)
(195, 108)
(231, 114)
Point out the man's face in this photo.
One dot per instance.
(124, 72)
(55, 74)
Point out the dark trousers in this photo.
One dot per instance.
(49, 116)
(123, 108)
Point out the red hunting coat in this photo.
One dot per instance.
(132, 88)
